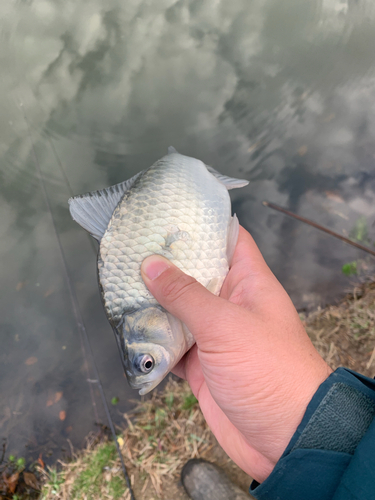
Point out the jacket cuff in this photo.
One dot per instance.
(336, 419)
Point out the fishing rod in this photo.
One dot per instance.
(318, 226)
(78, 314)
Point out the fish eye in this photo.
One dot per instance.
(145, 363)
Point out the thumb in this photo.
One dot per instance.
(184, 297)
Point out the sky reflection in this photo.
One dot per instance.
(92, 92)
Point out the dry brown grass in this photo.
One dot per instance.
(162, 434)
(345, 334)
(164, 431)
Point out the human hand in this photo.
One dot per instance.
(253, 368)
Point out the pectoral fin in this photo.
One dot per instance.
(214, 286)
(234, 228)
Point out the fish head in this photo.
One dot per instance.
(153, 343)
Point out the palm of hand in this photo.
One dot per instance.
(242, 380)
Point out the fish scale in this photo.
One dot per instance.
(178, 208)
(170, 195)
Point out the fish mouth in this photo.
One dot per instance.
(144, 387)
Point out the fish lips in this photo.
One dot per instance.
(144, 387)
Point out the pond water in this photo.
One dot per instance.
(92, 91)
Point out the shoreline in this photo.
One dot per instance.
(166, 429)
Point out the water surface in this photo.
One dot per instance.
(282, 94)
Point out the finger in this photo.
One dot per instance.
(186, 299)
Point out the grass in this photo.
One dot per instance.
(344, 334)
(91, 480)
(162, 433)
(350, 268)
(55, 480)
(168, 428)
(360, 231)
(93, 474)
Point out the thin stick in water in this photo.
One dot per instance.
(318, 226)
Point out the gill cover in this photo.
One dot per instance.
(153, 343)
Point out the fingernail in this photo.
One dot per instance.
(154, 266)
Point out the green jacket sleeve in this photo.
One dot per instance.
(332, 454)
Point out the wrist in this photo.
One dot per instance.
(295, 402)
(336, 432)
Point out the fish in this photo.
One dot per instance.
(178, 208)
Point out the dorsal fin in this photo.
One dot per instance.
(94, 210)
(172, 150)
(229, 182)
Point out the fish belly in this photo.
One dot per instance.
(176, 209)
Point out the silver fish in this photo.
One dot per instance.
(179, 208)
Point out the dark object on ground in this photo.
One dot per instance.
(203, 480)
